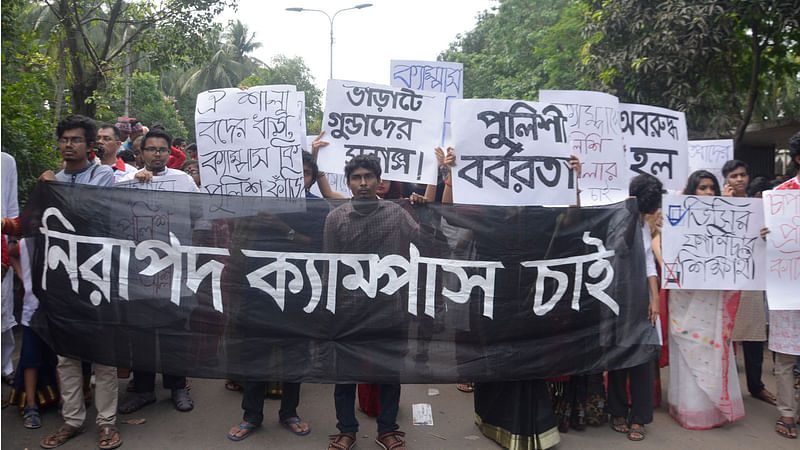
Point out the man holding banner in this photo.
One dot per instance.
(365, 225)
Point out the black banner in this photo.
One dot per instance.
(314, 290)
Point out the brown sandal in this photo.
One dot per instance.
(338, 441)
(109, 437)
(394, 440)
(65, 433)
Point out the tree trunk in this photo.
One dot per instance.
(752, 92)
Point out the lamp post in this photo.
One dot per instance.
(330, 19)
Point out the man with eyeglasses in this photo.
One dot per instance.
(76, 136)
(155, 153)
(109, 138)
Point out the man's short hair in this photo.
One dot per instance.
(72, 121)
(190, 163)
(178, 141)
(732, 165)
(308, 160)
(191, 147)
(647, 189)
(127, 156)
(113, 127)
(156, 132)
(794, 150)
(758, 184)
(369, 162)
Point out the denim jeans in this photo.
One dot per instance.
(344, 397)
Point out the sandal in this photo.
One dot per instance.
(296, 421)
(394, 440)
(342, 441)
(620, 425)
(766, 396)
(791, 429)
(466, 387)
(136, 401)
(109, 437)
(181, 399)
(65, 433)
(9, 379)
(638, 430)
(31, 418)
(243, 426)
(232, 385)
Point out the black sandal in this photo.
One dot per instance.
(617, 424)
(639, 430)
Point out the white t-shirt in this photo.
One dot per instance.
(168, 180)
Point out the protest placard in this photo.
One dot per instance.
(595, 138)
(712, 243)
(433, 76)
(656, 143)
(399, 126)
(511, 152)
(250, 141)
(782, 217)
(710, 155)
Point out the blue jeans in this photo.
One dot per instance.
(344, 397)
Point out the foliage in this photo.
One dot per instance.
(27, 123)
(148, 103)
(99, 36)
(521, 47)
(712, 59)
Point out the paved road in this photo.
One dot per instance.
(218, 409)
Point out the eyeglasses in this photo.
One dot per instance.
(192, 172)
(164, 150)
(74, 140)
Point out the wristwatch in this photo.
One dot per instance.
(290, 234)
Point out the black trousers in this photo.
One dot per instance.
(753, 360)
(642, 378)
(253, 401)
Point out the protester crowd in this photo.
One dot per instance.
(703, 391)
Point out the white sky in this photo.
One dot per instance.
(365, 40)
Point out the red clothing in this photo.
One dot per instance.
(176, 159)
(4, 252)
(794, 183)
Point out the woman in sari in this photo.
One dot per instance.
(704, 387)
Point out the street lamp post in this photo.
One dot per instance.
(330, 19)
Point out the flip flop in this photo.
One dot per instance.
(789, 427)
(242, 426)
(295, 421)
(466, 387)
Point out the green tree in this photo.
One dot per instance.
(712, 59)
(100, 35)
(148, 103)
(27, 93)
(520, 47)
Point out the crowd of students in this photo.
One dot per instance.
(704, 391)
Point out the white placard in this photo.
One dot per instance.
(712, 243)
(710, 156)
(511, 152)
(431, 76)
(167, 182)
(782, 217)
(250, 141)
(595, 138)
(656, 142)
(305, 144)
(399, 126)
